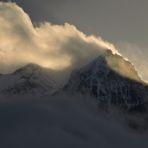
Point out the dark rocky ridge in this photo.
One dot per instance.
(108, 86)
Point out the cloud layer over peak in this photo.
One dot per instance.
(53, 46)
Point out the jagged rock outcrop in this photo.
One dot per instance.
(110, 79)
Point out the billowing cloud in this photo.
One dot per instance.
(53, 46)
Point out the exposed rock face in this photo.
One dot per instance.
(106, 80)
(110, 79)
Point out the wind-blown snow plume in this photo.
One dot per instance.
(136, 56)
(53, 46)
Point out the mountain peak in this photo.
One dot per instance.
(105, 79)
(30, 68)
(122, 66)
(116, 63)
(30, 79)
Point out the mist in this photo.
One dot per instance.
(62, 121)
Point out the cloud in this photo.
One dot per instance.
(52, 46)
(136, 56)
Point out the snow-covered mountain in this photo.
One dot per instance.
(30, 79)
(107, 81)
(110, 79)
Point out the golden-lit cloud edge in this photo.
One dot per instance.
(52, 46)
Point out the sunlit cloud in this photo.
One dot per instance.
(52, 46)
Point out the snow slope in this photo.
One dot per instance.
(72, 119)
(30, 79)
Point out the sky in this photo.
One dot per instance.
(114, 20)
(49, 45)
(123, 23)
